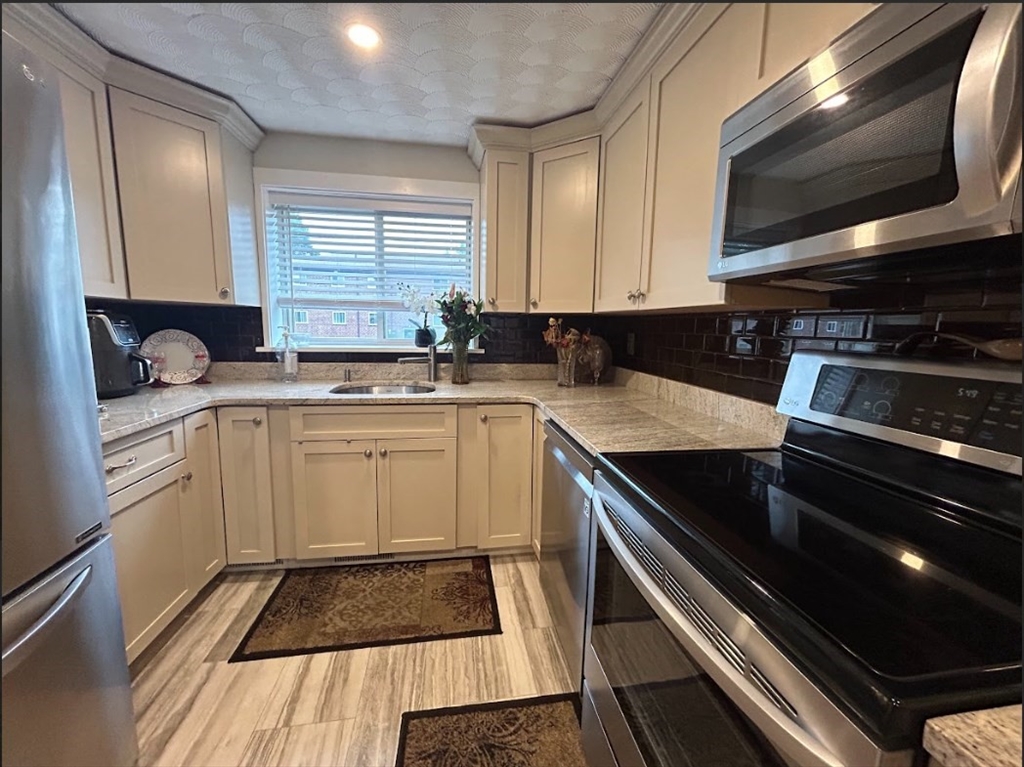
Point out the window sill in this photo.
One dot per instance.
(363, 350)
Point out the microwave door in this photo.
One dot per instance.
(915, 143)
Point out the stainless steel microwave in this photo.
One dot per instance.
(905, 133)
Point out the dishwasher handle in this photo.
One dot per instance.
(772, 722)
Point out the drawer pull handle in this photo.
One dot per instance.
(257, 421)
(110, 468)
(368, 453)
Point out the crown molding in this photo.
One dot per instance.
(54, 30)
(670, 21)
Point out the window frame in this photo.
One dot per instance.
(267, 180)
(304, 313)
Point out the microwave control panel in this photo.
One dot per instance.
(984, 414)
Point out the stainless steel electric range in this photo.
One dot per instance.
(814, 604)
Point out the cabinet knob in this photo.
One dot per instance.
(534, 303)
(257, 421)
(187, 477)
(631, 295)
(383, 452)
(641, 296)
(368, 453)
(483, 417)
(492, 301)
(224, 293)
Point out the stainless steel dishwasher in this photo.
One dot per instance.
(565, 541)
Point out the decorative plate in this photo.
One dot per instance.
(178, 357)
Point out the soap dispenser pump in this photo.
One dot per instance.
(288, 357)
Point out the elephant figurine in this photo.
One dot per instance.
(593, 359)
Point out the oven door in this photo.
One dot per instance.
(871, 149)
(665, 692)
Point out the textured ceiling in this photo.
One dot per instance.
(440, 68)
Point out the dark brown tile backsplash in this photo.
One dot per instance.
(741, 353)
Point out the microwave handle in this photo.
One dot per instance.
(145, 367)
(987, 120)
(776, 726)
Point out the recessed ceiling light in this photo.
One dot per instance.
(836, 101)
(363, 36)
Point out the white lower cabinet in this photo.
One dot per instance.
(373, 496)
(245, 476)
(505, 447)
(416, 488)
(204, 505)
(334, 486)
(148, 521)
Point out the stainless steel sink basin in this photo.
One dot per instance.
(385, 388)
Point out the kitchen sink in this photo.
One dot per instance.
(388, 388)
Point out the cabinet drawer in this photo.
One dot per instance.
(334, 422)
(130, 459)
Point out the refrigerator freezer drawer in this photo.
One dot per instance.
(66, 692)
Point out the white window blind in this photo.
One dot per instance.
(327, 252)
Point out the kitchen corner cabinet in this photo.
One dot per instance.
(204, 505)
(504, 229)
(620, 227)
(175, 181)
(563, 230)
(245, 476)
(505, 489)
(87, 141)
(147, 521)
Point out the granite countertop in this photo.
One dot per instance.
(990, 738)
(603, 419)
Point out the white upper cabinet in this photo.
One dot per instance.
(93, 188)
(796, 32)
(563, 208)
(504, 228)
(620, 224)
(174, 203)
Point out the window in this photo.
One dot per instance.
(335, 263)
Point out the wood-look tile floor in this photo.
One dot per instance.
(338, 708)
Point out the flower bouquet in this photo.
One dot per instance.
(460, 315)
(566, 346)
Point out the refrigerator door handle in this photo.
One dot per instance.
(25, 644)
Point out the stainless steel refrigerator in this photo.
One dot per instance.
(66, 690)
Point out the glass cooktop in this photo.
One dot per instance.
(899, 588)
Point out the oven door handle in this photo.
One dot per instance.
(786, 734)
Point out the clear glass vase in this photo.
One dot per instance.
(460, 362)
(566, 365)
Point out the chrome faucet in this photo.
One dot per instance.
(430, 359)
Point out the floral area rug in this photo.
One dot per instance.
(326, 609)
(533, 732)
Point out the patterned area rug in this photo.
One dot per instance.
(534, 732)
(325, 609)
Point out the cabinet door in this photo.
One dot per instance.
(505, 190)
(245, 474)
(147, 522)
(620, 224)
(505, 441)
(795, 32)
(416, 494)
(695, 85)
(204, 504)
(90, 152)
(563, 232)
(173, 207)
(334, 485)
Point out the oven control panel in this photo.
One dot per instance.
(976, 412)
